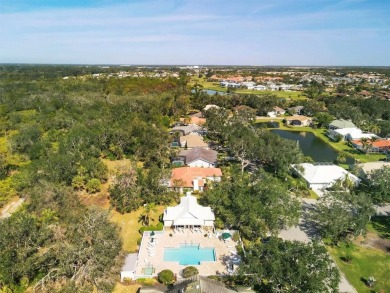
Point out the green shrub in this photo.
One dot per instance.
(157, 227)
(166, 277)
(236, 237)
(190, 271)
(93, 185)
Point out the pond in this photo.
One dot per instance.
(312, 146)
(212, 92)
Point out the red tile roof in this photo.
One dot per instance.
(185, 176)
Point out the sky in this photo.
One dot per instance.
(196, 32)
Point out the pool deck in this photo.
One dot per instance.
(223, 252)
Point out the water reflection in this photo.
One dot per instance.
(312, 146)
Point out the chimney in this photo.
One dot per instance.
(196, 184)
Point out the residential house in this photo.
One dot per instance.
(365, 169)
(297, 110)
(340, 124)
(348, 134)
(199, 157)
(192, 141)
(299, 120)
(377, 146)
(248, 84)
(193, 178)
(230, 84)
(276, 111)
(259, 87)
(188, 214)
(322, 176)
(186, 129)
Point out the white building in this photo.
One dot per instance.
(188, 214)
(323, 176)
(352, 133)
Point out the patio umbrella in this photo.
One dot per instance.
(226, 236)
(152, 234)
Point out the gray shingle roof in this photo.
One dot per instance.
(199, 153)
(342, 124)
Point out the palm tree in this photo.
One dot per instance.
(149, 210)
(365, 144)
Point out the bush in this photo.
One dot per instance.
(166, 277)
(93, 185)
(158, 227)
(190, 271)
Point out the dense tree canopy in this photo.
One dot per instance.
(284, 266)
(339, 214)
(255, 204)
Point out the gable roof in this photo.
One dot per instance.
(186, 175)
(187, 128)
(297, 117)
(188, 212)
(197, 153)
(342, 124)
(367, 168)
(193, 140)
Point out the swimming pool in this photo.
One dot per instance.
(189, 254)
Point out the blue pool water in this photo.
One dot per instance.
(189, 254)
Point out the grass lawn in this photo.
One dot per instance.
(119, 288)
(365, 262)
(129, 226)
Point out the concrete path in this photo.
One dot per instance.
(10, 208)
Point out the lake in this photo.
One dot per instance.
(312, 146)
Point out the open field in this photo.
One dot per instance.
(370, 257)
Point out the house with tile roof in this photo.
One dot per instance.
(188, 213)
(377, 146)
(199, 157)
(193, 178)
